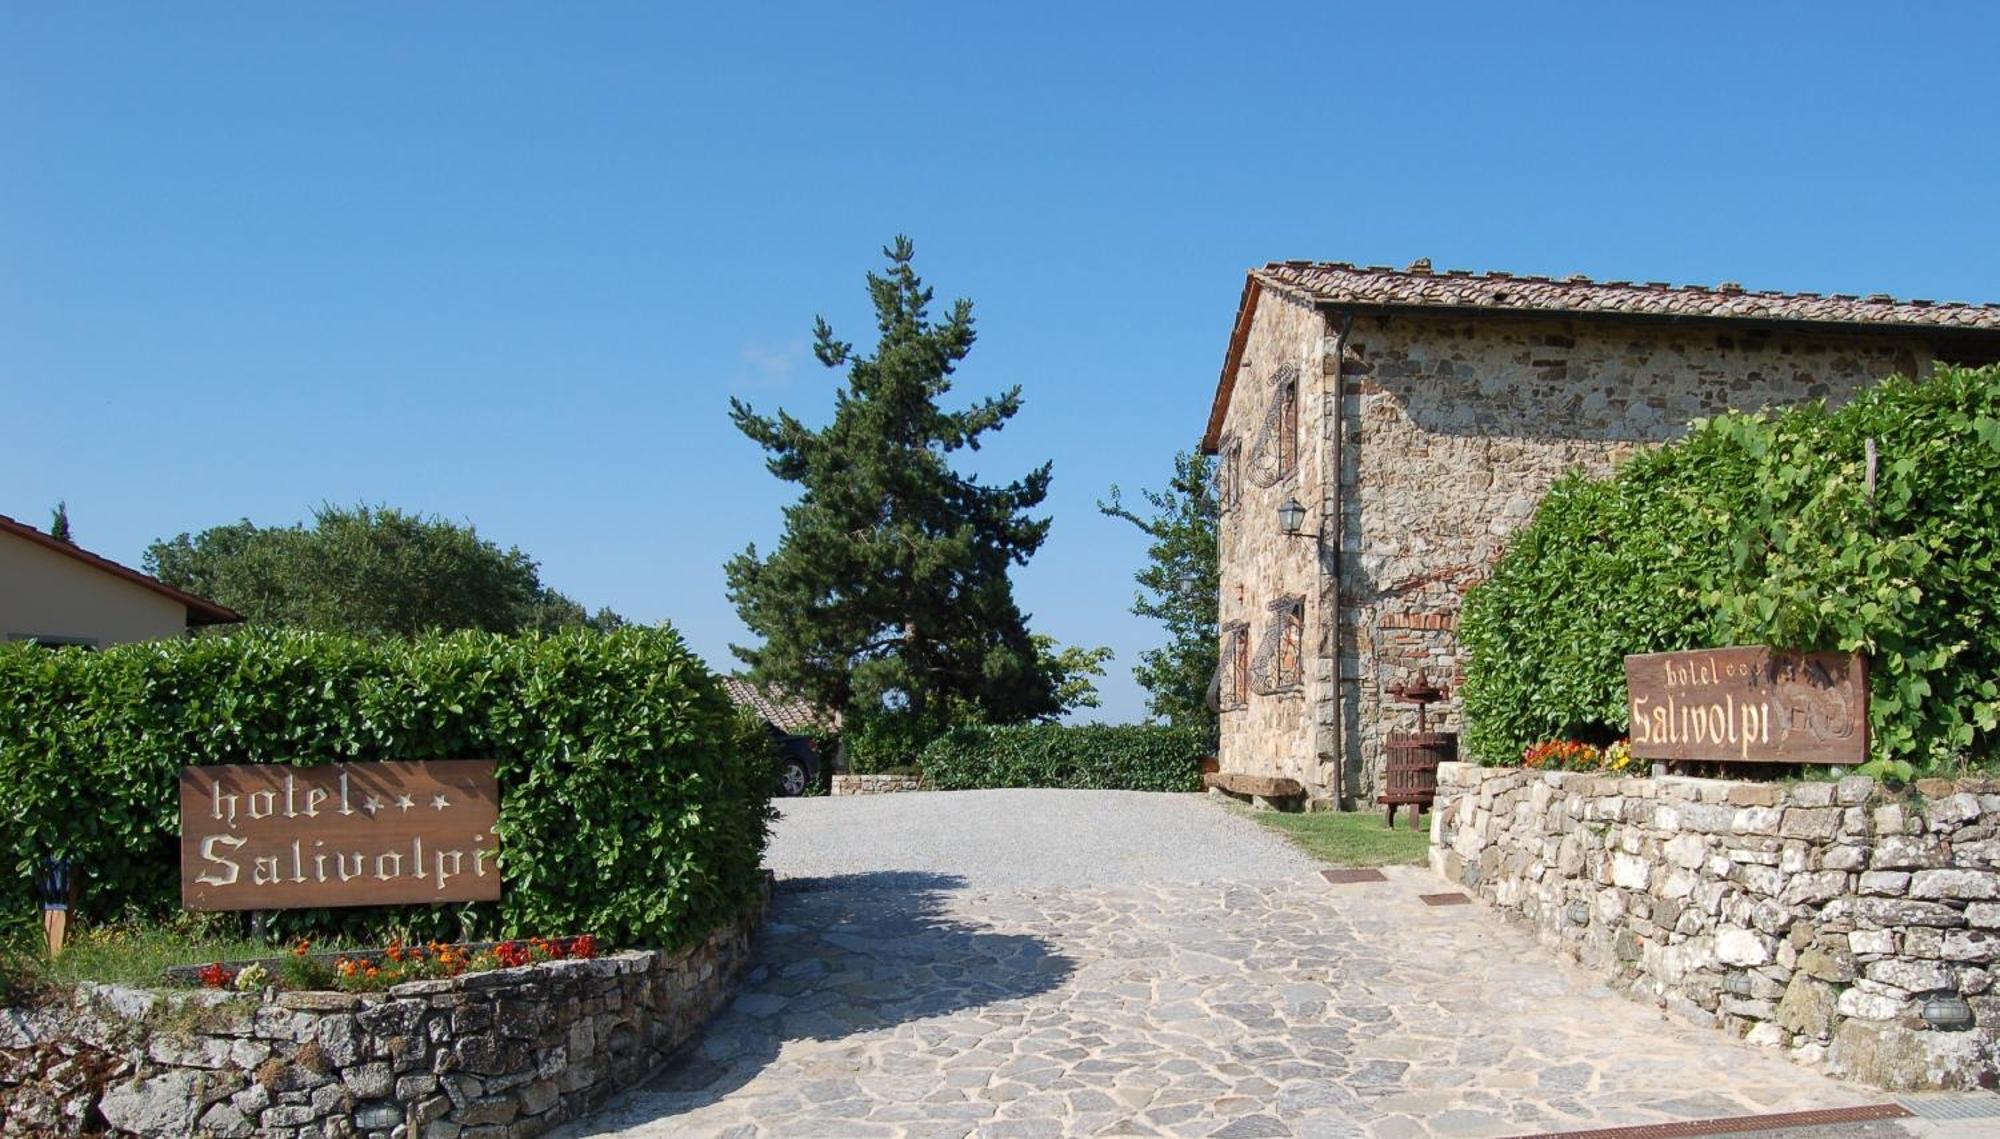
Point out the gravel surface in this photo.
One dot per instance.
(1013, 838)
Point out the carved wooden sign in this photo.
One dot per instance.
(1749, 705)
(268, 837)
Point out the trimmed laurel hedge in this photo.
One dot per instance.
(634, 800)
(1759, 529)
(1104, 757)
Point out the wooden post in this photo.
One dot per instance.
(55, 923)
(56, 887)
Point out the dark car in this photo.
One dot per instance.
(798, 765)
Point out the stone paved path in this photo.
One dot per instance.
(908, 1004)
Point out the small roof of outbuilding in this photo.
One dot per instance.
(778, 708)
(200, 610)
(1381, 288)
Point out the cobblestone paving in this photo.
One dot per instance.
(905, 1005)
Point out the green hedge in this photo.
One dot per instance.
(634, 801)
(1129, 757)
(888, 742)
(1758, 529)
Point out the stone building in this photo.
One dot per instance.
(1418, 417)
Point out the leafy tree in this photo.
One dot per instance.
(1179, 588)
(368, 570)
(59, 523)
(889, 588)
(1073, 672)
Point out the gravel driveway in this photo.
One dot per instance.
(1016, 838)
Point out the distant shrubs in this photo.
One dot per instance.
(888, 743)
(1761, 529)
(634, 801)
(1126, 757)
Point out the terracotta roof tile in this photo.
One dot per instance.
(1339, 283)
(798, 717)
(200, 610)
(1461, 291)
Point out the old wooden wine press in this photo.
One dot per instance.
(1410, 776)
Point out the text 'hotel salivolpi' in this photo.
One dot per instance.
(269, 837)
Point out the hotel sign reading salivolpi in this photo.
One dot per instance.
(267, 837)
(1749, 705)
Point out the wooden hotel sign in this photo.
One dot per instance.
(268, 837)
(1749, 705)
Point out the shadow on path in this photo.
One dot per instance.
(849, 954)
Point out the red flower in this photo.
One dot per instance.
(216, 977)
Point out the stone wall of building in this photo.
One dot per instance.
(500, 1055)
(1813, 917)
(1274, 732)
(1453, 429)
(876, 784)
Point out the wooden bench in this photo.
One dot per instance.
(1272, 791)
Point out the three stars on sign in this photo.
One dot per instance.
(403, 803)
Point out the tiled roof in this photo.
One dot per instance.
(798, 717)
(1338, 283)
(1971, 330)
(200, 610)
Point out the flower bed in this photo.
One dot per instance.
(367, 971)
(1576, 755)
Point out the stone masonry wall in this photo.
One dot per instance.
(875, 784)
(1273, 733)
(1453, 429)
(1812, 917)
(499, 1055)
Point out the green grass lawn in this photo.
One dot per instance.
(1355, 838)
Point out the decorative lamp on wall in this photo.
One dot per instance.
(1946, 1011)
(1292, 518)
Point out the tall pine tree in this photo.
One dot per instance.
(889, 588)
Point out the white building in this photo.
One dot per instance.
(56, 593)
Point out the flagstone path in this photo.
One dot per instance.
(910, 1002)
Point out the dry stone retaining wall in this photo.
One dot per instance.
(499, 1055)
(876, 784)
(1813, 917)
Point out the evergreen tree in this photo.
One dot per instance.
(59, 523)
(1179, 587)
(889, 588)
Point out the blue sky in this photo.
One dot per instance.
(506, 263)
